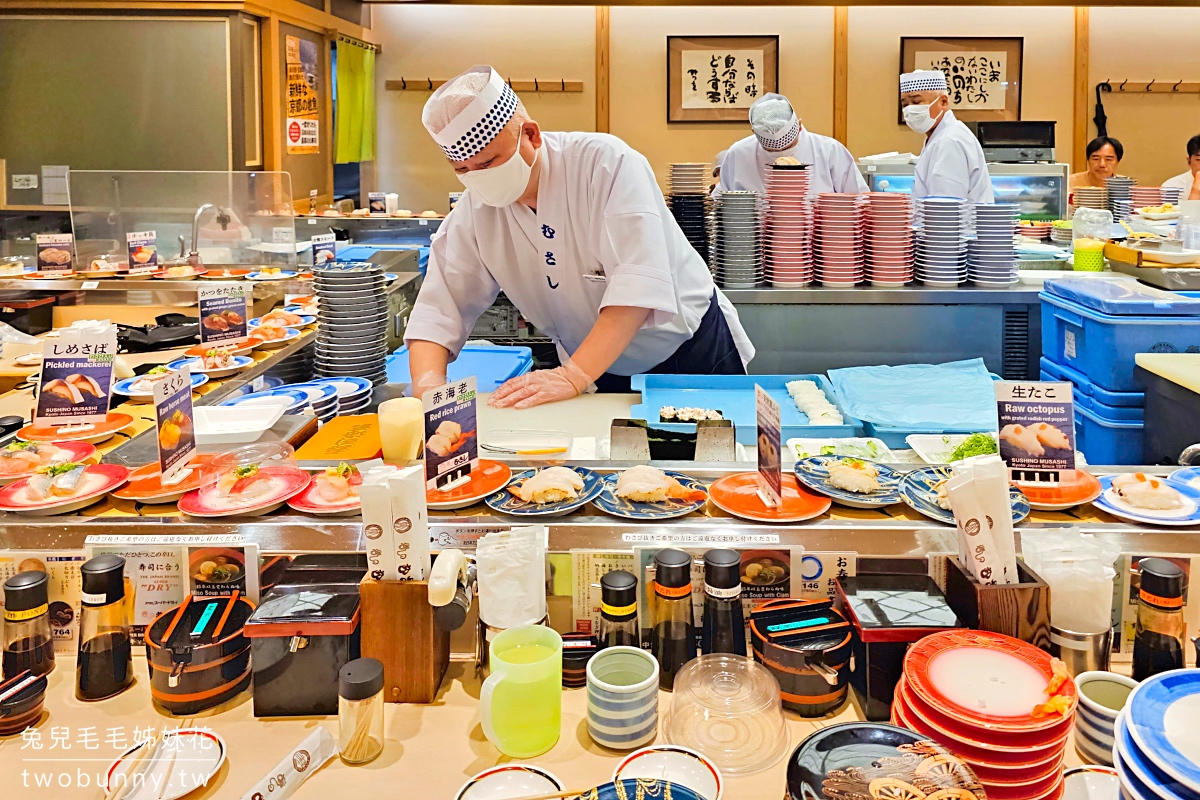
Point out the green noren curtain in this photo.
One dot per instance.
(355, 104)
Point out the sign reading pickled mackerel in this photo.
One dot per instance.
(77, 368)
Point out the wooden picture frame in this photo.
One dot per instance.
(975, 67)
(747, 68)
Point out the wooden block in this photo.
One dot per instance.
(1020, 610)
(398, 628)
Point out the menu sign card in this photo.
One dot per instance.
(143, 251)
(770, 467)
(74, 387)
(451, 449)
(223, 310)
(54, 252)
(324, 249)
(176, 433)
(1037, 428)
(378, 202)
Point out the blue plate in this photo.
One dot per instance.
(1161, 719)
(813, 472)
(1117, 508)
(125, 386)
(1188, 475)
(506, 502)
(640, 789)
(318, 393)
(283, 275)
(299, 399)
(348, 388)
(390, 276)
(1144, 772)
(305, 319)
(239, 362)
(917, 490)
(608, 502)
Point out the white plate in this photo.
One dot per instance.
(235, 424)
(508, 781)
(1185, 257)
(935, 448)
(194, 757)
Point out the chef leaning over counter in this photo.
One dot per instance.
(779, 134)
(951, 162)
(573, 228)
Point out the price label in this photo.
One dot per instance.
(91, 284)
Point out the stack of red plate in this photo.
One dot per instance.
(839, 245)
(974, 693)
(1142, 196)
(889, 237)
(788, 249)
(1035, 230)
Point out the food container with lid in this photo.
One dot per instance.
(360, 710)
(198, 654)
(806, 645)
(300, 638)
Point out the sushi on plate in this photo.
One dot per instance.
(550, 485)
(1141, 491)
(19, 458)
(645, 484)
(338, 484)
(56, 480)
(854, 475)
(243, 483)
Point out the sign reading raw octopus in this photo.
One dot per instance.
(451, 448)
(176, 434)
(76, 377)
(223, 314)
(1037, 425)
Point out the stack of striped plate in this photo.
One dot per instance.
(943, 227)
(788, 245)
(839, 245)
(736, 254)
(1089, 197)
(352, 310)
(889, 239)
(1157, 738)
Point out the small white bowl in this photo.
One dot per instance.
(508, 782)
(675, 764)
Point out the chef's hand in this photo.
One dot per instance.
(542, 386)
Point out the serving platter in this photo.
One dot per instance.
(488, 479)
(205, 502)
(93, 433)
(608, 501)
(145, 483)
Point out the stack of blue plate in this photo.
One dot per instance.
(353, 394)
(1157, 750)
(322, 397)
(1120, 201)
(991, 256)
(299, 399)
(352, 310)
(943, 227)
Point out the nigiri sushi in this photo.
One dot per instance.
(245, 482)
(56, 480)
(22, 457)
(270, 333)
(1141, 491)
(943, 494)
(550, 485)
(439, 445)
(217, 358)
(854, 475)
(1050, 436)
(338, 484)
(450, 429)
(645, 484)
(145, 384)
(1022, 438)
(280, 319)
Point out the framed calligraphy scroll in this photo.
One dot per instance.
(717, 78)
(983, 73)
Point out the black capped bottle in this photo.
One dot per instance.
(1160, 631)
(27, 642)
(673, 641)
(618, 609)
(724, 629)
(105, 665)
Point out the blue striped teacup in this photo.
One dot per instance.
(1102, 695)
(622, 687)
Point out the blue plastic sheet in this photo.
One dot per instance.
(956, 395)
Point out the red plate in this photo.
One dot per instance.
(922, 654)
(145, 482)
(492, 476)
(738, 495)
(102, 479)
(200, 503)
(78, 452)
(1046, 788)
(97, 433)
(1076, 488)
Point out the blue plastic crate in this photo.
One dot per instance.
(1101, 346)
(491, 366)
(1107, 441)
(733, 396)
(1057, 372)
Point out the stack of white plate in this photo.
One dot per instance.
(322, 397)
(736, 254)
(943, 226)
(1119, 202)
(889, 239)
(788, 245)
(1090, 197)
(1157, 739)
(839, 239)
(687, 197)
(1061, 235)
(353, 316)
(991, 255)
(353, 394)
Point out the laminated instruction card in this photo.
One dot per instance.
(1037, 428)
(76, 380)
(223, 314)
(451, 447)
(176, 433)
(770, 466)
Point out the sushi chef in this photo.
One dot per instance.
(951, 162)
(778, 134)
(573, 228)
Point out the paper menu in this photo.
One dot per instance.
(65, 589)
(175, 434)
(770, 467)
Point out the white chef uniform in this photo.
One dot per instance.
(601, 236)
(832, 168)
(952, 164)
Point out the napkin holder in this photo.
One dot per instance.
(1020, 610)
(399, 629)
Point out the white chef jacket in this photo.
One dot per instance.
(831, 167)
(601, 236)
(952, 164)
(1182, 181)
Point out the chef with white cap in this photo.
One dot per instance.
(951, 162)
(573, 228)
(778, 133)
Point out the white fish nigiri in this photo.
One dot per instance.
(550, 485)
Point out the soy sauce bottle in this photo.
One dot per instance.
(724, 629)
(27, 642)
(1160, 631)
(105, 665)
(618, 609)
(673, 641)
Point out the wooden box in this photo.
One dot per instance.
(1020, 610)
(398, 628)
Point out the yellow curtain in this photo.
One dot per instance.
(355, 104)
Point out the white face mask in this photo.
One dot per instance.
(501, 185)
(917, 118)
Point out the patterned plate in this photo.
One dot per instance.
(609, 503)
(1160, 717)
(813, 472)
(506, 502)
(918, 490)
(1189, 515)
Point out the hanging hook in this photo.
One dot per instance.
(403, 84)
(1150, 85)
(1175, 88)
(1122, 86)
(430, 81)
(564, 84)
(536, 88)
